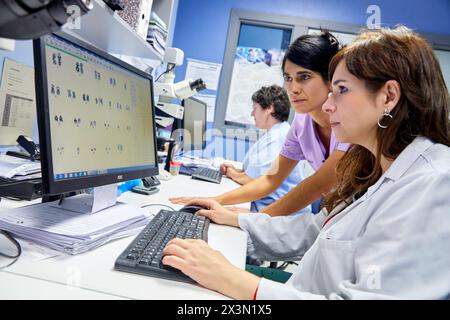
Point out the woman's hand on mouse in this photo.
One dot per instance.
(225, 166)
(215, 212)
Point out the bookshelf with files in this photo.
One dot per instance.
(116, 37)
(161, 26)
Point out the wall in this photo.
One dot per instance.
(201, 26)
(23, 53)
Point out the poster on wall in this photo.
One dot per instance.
(209, 72)
(17, 101)
(257, 63)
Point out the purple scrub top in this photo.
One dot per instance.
(303, 142)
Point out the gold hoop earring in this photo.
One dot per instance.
(386, 113)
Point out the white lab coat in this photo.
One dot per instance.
(393, 242)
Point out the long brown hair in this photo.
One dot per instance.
(375, 57)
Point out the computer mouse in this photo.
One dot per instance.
(192, 209)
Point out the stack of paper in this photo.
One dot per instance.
(155, 19)
(157, 33)
(72, 232)
(13, 166)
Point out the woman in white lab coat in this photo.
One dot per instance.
(387, 233)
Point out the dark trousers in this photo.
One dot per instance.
(269, 273)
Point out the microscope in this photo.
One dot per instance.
(168, 112)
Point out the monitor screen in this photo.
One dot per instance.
(194, 124)
(163, 133)
(95, 116)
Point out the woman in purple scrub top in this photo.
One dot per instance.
(305, 72)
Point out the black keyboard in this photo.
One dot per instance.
(144, 254)
(207, 174)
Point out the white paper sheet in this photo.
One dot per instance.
(36, 252)
(104, 197)
(11, 166)
(17, 101)
(46, 217)
(208, 71)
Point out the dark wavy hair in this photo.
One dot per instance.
(313, 52)
(376, 57)
(274, 96)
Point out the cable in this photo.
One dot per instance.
(167, 71)
(157, 204)
(285, 264)
(16, 244)
(9, 264)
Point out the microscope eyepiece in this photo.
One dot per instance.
(197, 85)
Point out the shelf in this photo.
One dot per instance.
(165, 9)
(104, 29)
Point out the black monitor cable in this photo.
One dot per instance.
(159, 205)
(167, 71)
(285, 264)
(16, 245)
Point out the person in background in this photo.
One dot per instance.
(385, 232)
(271, 111)
(305, 72)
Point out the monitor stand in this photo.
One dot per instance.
(101, 198)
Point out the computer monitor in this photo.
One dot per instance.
(95, 117)
(164, 133)
(194, 124)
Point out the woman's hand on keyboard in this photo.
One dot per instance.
(215, 212)
(209, 268)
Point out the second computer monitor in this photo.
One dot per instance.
(194, 124)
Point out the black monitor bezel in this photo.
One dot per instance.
(50, 186)
(205, 127)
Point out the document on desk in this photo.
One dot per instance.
(36, 252)
(72, 232)
(13, 166)
(194, 162)
(190, 164)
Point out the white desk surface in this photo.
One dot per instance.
(92, 276)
